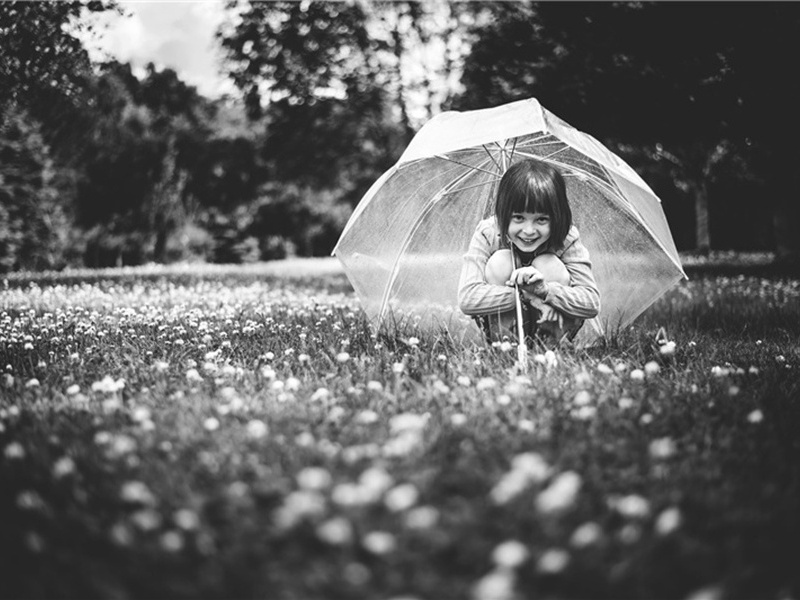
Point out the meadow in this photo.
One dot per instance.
(242, 433)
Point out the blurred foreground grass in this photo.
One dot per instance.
(242, 433)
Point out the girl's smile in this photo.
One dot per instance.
(529, 231)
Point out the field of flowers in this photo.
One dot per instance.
(240, 433)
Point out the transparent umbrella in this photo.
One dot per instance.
(403, 247)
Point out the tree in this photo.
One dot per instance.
(33, 224)
(45, 69)
(674, 82)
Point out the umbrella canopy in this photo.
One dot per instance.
(403, 247)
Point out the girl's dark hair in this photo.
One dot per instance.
(534, 186)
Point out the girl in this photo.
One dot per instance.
(530, 242)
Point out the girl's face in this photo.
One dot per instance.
(528, 231)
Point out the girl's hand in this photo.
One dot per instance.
(530, 280)
(524, 276)
(550, 314)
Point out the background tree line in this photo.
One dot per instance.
(101, 167)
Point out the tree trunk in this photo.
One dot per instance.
(702, 235)
(786, 225)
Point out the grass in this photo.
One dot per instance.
(244, 433)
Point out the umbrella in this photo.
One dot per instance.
(403, 247)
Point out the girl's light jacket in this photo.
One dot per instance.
(579, 299)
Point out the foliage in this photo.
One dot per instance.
(614, 69)
(45, 69)
(33, 222)
(237, 434)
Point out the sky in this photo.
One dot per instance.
(176, 34)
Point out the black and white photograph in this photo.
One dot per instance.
(399, 300)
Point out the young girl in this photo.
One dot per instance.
(530, 242)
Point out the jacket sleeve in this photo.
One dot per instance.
(581, 298)
(475, 296)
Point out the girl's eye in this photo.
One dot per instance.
(543, 220)
(517, 218)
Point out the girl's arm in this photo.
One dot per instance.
(581, 298)
(475, 296)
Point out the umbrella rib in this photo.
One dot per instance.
(458, 162)
(438, 195)
(469, 187)
(492, 157)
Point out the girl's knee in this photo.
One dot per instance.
(552, 268)
(498, 267)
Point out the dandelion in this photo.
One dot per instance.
(662, 448)
(582, 398)
(336, 531)
(408, 421)
(413, 342)
(667, 349)
(586, 535)
(506, 346)
(625, 403)
(401, 497)
(186, 519)
(120, 534)
(73, 389)
(668, 521)
(374, 482)
(374, 386)
(193, 376)
(651, 368)
(303, 358)
(553, 561)
(498, 584)
(366, 417)
(257, 429)
(463, 381)
(14, 451)
(755, 416)
(342, 357)
(32, 383)
(314, 478)
(631, 506)
(584, 413)
(526, 425)
(136, 492)
(299, 505)
(637, 375)
(320, 394)
(421, 517)
(486, 383)
(30, 500)
(561, 494)
(604, 369)
(398, 368)
(146, 519)
(532, 465)
(510, 554)
(63, 466)
(172, 541)
(211, 424)
(719, 372)
(379, 542)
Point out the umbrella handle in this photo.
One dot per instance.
(522, 346)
